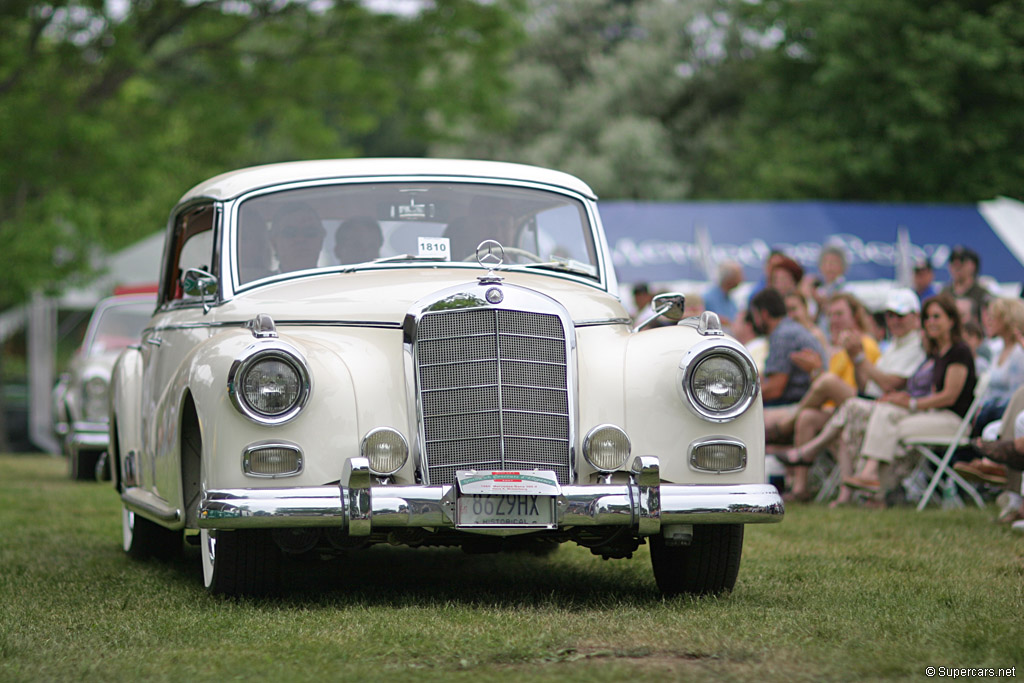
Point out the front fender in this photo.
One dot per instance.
(659, 421)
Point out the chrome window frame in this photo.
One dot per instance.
(231, 285)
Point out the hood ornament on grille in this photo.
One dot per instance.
(490, 254)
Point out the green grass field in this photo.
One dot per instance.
(839, 595)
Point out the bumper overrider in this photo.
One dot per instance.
(644, 503)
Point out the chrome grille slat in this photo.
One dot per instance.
(493, 387)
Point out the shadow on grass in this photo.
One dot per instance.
(428, 577)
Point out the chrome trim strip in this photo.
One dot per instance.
(599, 322)
(426, 506)
(149, 505)
(280, 323)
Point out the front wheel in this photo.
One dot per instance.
(142, 538)
(83, 464)
(244, 562)
(708, 566)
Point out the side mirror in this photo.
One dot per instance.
(198, 282)
(670, 305)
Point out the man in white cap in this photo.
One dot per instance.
(904, 354)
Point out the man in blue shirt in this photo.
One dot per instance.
(717, 299)
(785, 379)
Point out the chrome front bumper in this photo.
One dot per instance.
(644, 504)
(92, 436)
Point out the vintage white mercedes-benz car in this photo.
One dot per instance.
(425, 352)
(81, 400)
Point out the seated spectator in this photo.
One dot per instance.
(831, 279)
(1006, 370)
(899, 415)
(718, 297)
(296, 235)
(784, 381)
(358, 240)
(785, 275)
(1006, 452)
(964, 269)
(797, 309)
(924, 279)
(849, 325)
(844, 430)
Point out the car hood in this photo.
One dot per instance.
(386, 296)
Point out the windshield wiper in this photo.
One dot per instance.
(391, 259)
(567, 265)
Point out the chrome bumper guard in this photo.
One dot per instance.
(644, 504)
(88, 436)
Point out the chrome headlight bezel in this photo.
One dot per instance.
(588, 444)
(365, 450)
(271, 350)
(731, 350)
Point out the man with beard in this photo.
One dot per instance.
(787, 375)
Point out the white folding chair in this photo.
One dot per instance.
(930, 446)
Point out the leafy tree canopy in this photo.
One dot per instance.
(109, 111)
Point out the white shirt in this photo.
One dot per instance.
(901, 358)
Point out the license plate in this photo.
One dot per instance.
(533, 511)
(524, 500)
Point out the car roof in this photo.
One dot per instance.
(235, 183)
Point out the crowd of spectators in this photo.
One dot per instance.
(837, 380)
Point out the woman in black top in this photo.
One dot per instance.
(939, 412)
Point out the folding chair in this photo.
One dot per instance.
(929, 446)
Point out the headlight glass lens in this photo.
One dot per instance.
(271, 386)
(386, 450)
(718, 383)
(95, 403)
(606, 448)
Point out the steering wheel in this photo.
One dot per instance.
(512, 251)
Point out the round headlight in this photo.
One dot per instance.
(269, 385)
(95, 405)
(606, 448)
(386, 450)
(718, 381)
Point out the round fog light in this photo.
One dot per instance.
(386, 450)
(606, 448)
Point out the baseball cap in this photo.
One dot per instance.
(902, 301)
(922, 264)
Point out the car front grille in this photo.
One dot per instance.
(494, 394)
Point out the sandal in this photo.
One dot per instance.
(863, 483)
(1001, 451)
(791, 457)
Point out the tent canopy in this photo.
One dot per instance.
(653, 241)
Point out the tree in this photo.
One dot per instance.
(107, 117)
(900, 100)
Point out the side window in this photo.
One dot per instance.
(192, 247)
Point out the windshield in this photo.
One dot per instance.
(372, 224)
(119, 326)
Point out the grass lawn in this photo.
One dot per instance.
(847, 594)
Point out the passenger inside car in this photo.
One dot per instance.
(358, 240)
(296, 235)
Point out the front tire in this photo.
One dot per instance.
(243, 562)
(708, 566)
(142, 538)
